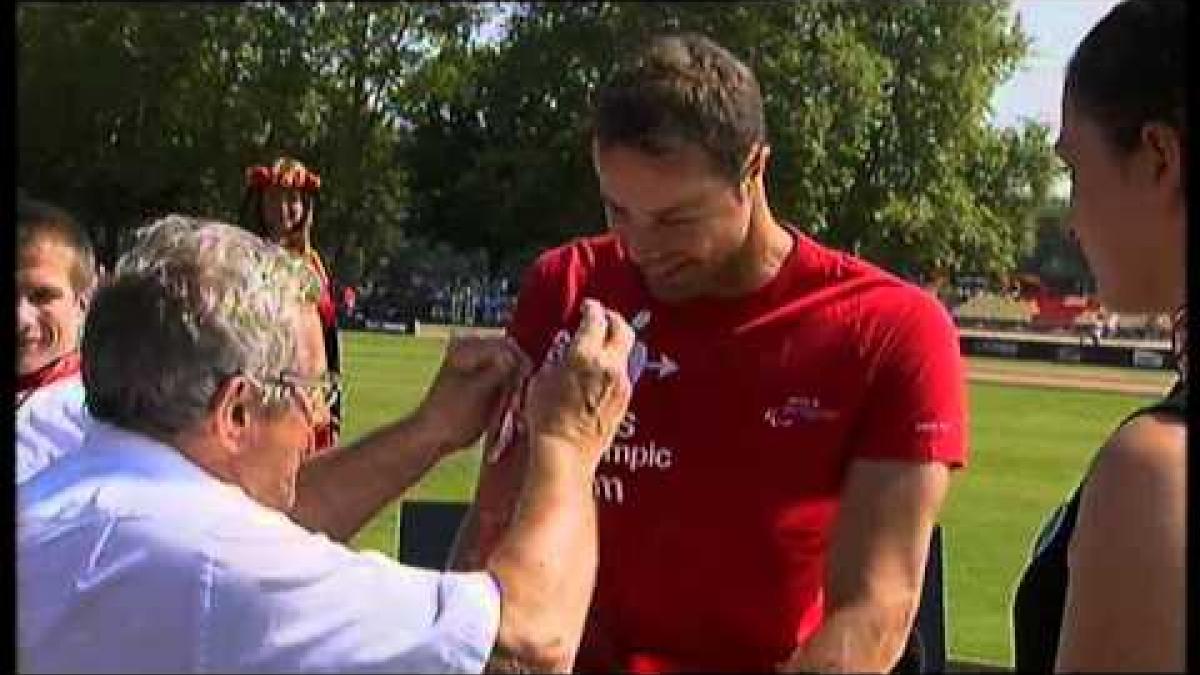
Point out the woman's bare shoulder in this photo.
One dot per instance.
(1148, 445)
(1139, 475)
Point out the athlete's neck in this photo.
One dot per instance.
(761, 257)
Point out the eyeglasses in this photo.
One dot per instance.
(322, 391)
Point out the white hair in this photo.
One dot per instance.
(192, 303)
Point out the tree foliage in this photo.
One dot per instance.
(424, 132)
(128, 111)
(877, 115)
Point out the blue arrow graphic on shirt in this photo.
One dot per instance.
(664, 366)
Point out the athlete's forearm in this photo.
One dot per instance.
(868, 637)
(500, 485)
(339, 491)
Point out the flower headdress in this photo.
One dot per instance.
(285, 173)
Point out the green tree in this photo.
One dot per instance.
(88, 136)
(877, 114)
(129, 111)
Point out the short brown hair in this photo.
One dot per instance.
(37, 221)
(683, 88)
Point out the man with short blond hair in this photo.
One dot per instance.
(55, 279)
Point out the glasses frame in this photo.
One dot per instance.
(311, 392)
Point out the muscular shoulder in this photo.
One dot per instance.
(583, 255)
(896, 317)
(881, 302)
(877, 307)
(556, 283)
(892, 304)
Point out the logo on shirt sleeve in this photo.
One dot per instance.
(934, 427)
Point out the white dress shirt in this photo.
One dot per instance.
(130, 558)
(49, 424)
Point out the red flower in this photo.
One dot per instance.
(294, 176)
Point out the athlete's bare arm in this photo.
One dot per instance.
(500, 481)
(876, 567)
(1125, 603)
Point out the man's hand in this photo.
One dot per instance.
(578, 403)
(475, 375)
(469, 390)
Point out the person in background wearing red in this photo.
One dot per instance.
(349, 301)
(278, 205)
(771, 494)
(56, 274)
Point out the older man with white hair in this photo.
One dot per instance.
(185, 536)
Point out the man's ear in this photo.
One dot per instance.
(1162, 145)
(764, 154)
(84, 298)
(230, 410)
(756, 165)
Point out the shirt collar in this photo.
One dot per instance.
(63, 367)
(131, 473)
(127, 451)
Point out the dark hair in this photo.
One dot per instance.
(250, 213)
(38, 220)
(683, 88)
(1129, 70)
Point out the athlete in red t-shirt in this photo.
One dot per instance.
(770, 495)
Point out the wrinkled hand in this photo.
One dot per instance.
(579, 402)
(475, 379)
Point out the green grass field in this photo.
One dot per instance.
(1028, 449)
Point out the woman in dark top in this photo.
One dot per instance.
(1104, 589)
(278, 206)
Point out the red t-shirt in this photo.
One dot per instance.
(717, 499)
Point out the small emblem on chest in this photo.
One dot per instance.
(799, 409)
